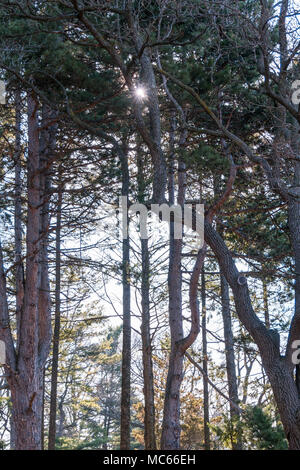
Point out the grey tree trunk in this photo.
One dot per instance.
(19, 272)
(230, 363)
(170, 437)
(149, 420)
(126, 347)
(205, 363)
(149, 409)
(294, 226)
(278, 368)
(56, 333)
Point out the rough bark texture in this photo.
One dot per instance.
(149, 421)
(25, 366)
(230, 361)
(47, 146)
(56, 333)
(126, 347)
(278, 368)
(205, 363)
(26, 386)
(19, 273)
(149, 409)
(170, 438)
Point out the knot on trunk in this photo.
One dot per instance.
(241, 280)
(29, 409)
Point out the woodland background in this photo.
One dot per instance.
(134, 343)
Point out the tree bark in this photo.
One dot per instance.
(56, 333)
(126, 347)
(278, 368)
(149, 421)
(25, 369)
(230, 363)
(149, 409)
(26, 385)
(205, 363)
(19, 272)
(170, 438)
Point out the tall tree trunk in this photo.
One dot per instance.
(149, 421)
(170, 438)
(19, 272)
(294, 226)
(205, 363)
(47, 143)
(230, 363)
(229, 341)
(126, 347)
(278, 368)
(56, 333)
(26, 386)
(25, 369)
(149, 409)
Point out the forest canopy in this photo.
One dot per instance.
(150, 225)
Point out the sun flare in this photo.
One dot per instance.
(140, 93)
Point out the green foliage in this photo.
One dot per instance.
(263, 433)
(228, 431)
(256, 429)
